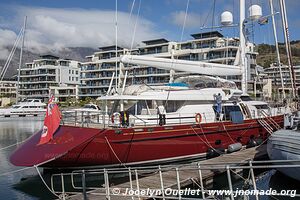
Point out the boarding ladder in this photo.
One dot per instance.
(268, 123)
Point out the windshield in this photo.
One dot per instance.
(16, 107)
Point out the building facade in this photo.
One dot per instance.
(7, 92)
(39, 78)
(274, 75)
(96, 74)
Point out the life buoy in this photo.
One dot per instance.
(115, 115)
(198, 118)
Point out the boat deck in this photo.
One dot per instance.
(186, 177)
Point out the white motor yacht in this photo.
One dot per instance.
(27, 107)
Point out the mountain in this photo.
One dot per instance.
(74, 53)
(267, 53)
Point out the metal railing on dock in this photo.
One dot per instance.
(160, 181)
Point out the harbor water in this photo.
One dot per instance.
(21, 183)
(25, 183)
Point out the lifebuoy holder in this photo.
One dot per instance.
(198, 118)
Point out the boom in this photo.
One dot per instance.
(199, 67)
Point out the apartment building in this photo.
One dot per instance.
(273, 74)
(209, 47)
(96, 74)
(47, 74)
(7, 92)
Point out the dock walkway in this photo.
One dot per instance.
(177, 177)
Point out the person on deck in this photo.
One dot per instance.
(218, 100)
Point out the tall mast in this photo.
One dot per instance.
(20, 60)
(243, 48)
(277, 47)
(116, 37)
(287, 45)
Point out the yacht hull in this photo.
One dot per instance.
(77, 147)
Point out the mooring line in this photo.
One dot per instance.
(12, 145)
(15, 171)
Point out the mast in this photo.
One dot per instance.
(20, 60)
(277, 47)
(243, 63)
(116, 37)
(288, 45)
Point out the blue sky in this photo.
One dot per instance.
(55, 24)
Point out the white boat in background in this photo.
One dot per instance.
(88, 108)
(27, 107)
(88, 113)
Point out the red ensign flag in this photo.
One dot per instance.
(51, 121)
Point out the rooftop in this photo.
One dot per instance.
(156, 41)
(49, 56)
(207, 35)
(110, 48)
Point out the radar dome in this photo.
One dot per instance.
(255, 12)
(226, 18)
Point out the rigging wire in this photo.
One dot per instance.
(135, 25)
(207, 16)
(184, 21)
(7, 63)
(131, 10)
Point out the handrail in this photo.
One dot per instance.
(107, 190)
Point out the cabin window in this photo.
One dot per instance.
(36, 101)
(172, 106)
(226, 110)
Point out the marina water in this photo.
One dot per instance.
(25, 184)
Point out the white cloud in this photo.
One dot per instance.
(193, 20)
(53, 29)
(7, 38)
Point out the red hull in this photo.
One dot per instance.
(86, 147)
